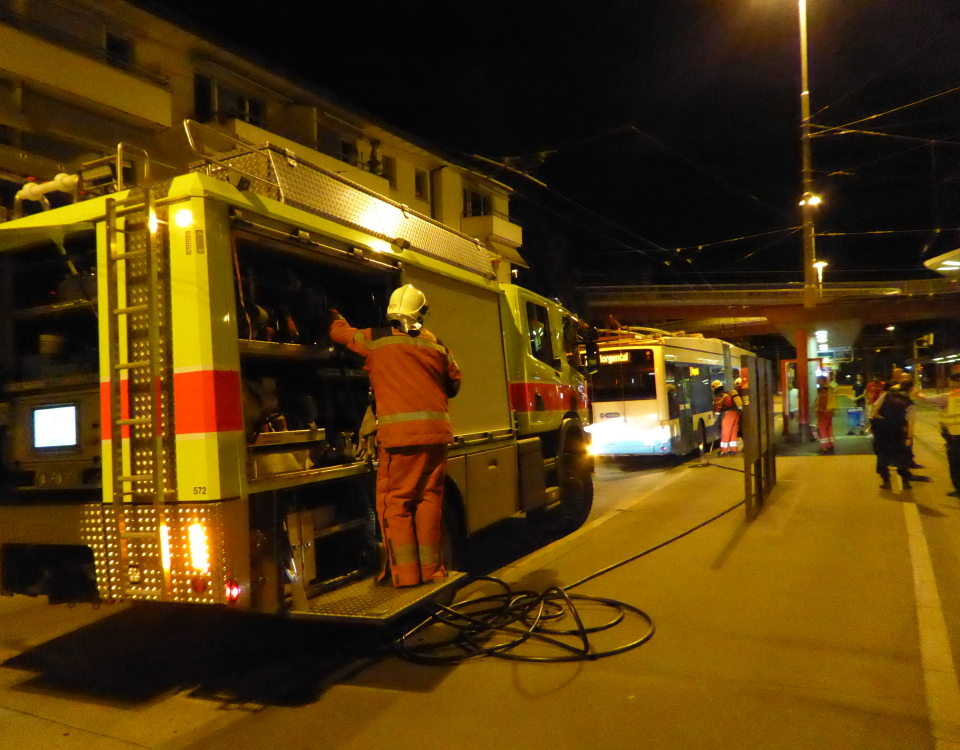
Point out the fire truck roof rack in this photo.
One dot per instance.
(284, 176)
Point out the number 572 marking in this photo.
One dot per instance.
(199, 490)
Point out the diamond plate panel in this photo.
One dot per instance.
(104, 525)
(315, 190)
(368, 601)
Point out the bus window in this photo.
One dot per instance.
(626, 375)
(674, 380)
(541, 343)
(570, 344)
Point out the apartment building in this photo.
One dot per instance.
(78, 77)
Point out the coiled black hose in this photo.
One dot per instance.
(465, 630)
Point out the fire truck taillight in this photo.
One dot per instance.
(232, 591)
(199, 555)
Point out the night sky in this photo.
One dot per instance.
(658, 124)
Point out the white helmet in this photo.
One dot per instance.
(407, 307)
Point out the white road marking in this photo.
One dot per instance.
(939, 673)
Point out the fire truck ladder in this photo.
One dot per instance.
(137, 292)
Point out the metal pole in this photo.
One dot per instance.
(803, 385)
(810, 286)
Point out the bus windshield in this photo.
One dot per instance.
(626, 375)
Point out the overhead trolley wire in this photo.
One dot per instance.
(826, 130)
(886, 70)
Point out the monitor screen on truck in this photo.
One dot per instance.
(55, 426)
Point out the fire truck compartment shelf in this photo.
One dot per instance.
(296, 478)
(289, 436)
(58, 308)
(286, 351)
(49, 384)
(368, 602)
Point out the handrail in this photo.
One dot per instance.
(225, 165)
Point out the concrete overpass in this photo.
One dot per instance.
(745, 310)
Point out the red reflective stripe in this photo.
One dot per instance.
(207, 401)
(105, 408)
(523, 397)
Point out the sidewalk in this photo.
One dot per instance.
(803, 629)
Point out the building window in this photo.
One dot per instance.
(214, 100)
(339, 146)
(421, 185)
(388, 167)
(119, 50)
(476, 204)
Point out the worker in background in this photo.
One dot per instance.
(727, 406)
(893, 424)
(873, 391)
(900, 377)
(825, 407)
(412, 375)
(949, 404)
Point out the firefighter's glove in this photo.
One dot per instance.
(332, 316)
(367, 448)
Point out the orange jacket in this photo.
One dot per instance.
(412, 378)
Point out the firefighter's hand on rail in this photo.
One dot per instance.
(332, 316)
(367, 449)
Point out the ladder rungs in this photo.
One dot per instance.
(144, 492)
(129, 254)
(138, 534)
(136, 478)
(130, 310)
(139, 420)
(130, 365)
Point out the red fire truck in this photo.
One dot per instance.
(176, 424)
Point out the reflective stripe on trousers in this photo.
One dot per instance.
(410, 507)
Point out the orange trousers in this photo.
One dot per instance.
(409, 508)
(825, 428)
(728, 431)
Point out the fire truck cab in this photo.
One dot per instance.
(176, 425)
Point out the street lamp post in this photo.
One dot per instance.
(810, 201)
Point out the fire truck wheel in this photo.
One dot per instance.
(576, 489)
(453, 536)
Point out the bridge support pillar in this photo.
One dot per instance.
(803, 385)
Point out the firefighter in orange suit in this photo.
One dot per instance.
(727, 406)
(412, 375)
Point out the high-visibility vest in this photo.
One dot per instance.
(950, 416)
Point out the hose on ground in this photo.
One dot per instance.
(497, 624)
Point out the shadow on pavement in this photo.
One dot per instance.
(150, 650)
(147, 651)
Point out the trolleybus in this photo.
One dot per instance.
(652, 395)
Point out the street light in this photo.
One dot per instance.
(810, 200)
(820, 265)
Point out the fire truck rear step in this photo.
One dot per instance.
(368, 602)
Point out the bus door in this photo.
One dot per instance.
(679, 390)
